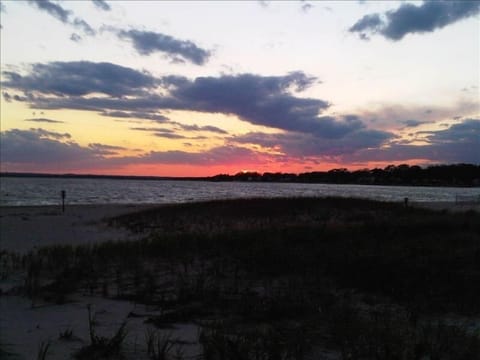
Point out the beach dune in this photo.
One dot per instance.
(24, 228)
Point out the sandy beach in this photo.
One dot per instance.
(23, 228)
(26, 324)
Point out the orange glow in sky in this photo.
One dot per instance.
(100, 91)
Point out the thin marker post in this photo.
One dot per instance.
(63, 194)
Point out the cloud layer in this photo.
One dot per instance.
(45, 120)
(63, 15)
(260, 100)
(80, 78)
(457, 144)
(148, 42)
(303, 131)
(38, 146)
(51, 149)
(409, 18)
(102, 4)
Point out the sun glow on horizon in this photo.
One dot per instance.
(177, 96)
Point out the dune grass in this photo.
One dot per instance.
(279, 278)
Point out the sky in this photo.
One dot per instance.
(179, 88)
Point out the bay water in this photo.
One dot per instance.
(31, 191)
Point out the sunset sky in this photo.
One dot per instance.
(198, 88)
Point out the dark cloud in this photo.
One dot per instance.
(102, 149)
(75, 37)
(44, 120)
(142, 104)
(102, 4)
(413, 123)
(50, 134)
(137, 115)
(427, 17)
(148, 42)
(468, 131)
(391, 116)
(56, 150)
(368, 24)
(37, 148)
(222, 155)
(213, 129)
(152, 130)
(458, 143)
(84, 26)
(261, 100)
(79, 78)
(53, 9)
(304, 145)
(411, 18)
(9, 98)
(305, 6)
(194, 127)
(59, 13)
(169, 135)
(41, 150)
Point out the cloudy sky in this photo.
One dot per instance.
(201, 88)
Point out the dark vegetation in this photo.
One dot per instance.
(102, 347)
(286, 278)
(404, 174)
(438, 175)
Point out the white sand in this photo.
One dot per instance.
(24, 228)
(23, 327)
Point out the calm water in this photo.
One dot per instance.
(46, 191)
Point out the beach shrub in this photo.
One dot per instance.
(271, 263)
(102, 347)
(264, 342)
(43, 349)
(160, 346)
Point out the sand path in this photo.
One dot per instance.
(24, 228)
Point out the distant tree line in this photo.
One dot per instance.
(437, 175)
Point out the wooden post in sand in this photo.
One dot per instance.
(64, 194)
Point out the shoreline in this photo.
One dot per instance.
(119, 208)
(25, 228)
